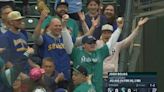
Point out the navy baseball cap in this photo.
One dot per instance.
(60, 90)
(60, 2)
(80, 69)
(88, 39)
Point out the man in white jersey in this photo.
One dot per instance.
(111, 62)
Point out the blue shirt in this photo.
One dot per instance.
(50, 81)
(16, 45)
(97, 32)
(55, 48)
(114, 24)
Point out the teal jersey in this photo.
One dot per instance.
(72, 25)
(84, 87)
(93, 62)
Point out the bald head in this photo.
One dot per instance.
(55, 20)
(55, 27)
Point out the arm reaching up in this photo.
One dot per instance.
(84, 24)
(67, 40)
(112, 41)
(86, 30)
(124, 43)
(37, 33)
(95, 22)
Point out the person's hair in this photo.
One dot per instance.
(5, 7)
(49, 59)
(115, 9)
(105, 6)
(97, 1)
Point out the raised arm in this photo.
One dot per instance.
(95, 22)
(124, 43)
(86, 30)
(67, 39)
(84, 24)
(38, 32)
(112, 41)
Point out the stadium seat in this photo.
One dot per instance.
(30, 23)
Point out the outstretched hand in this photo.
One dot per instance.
(30, 50)
(43, 15)
(142, 21)
(65, 18)
(59, 78)
(81, 16)
(95, 22)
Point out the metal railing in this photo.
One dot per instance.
(148, 4)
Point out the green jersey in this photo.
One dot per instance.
(85, 87)
(71, 24)
(93, 62)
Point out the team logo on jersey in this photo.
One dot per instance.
(88, 59)
(113, 51)
(20, 45)
(55, 46)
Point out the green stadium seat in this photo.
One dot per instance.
(30, 23)
(33, 11)
(30, 40)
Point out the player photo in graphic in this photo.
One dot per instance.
(135, 90)
(154, 90)
(116, 90)
(123, 89)
(110, 90)
(129, 90)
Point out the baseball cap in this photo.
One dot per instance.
(88, 39)
(14, 15)
(60, 2)
(36, 73)
(80, 69)
(60, 90)
(39, 89)
(107, 27)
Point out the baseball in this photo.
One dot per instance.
(66, 16)
(119, 19)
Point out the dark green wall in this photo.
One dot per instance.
(153, 48)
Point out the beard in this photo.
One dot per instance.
(61, 13)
